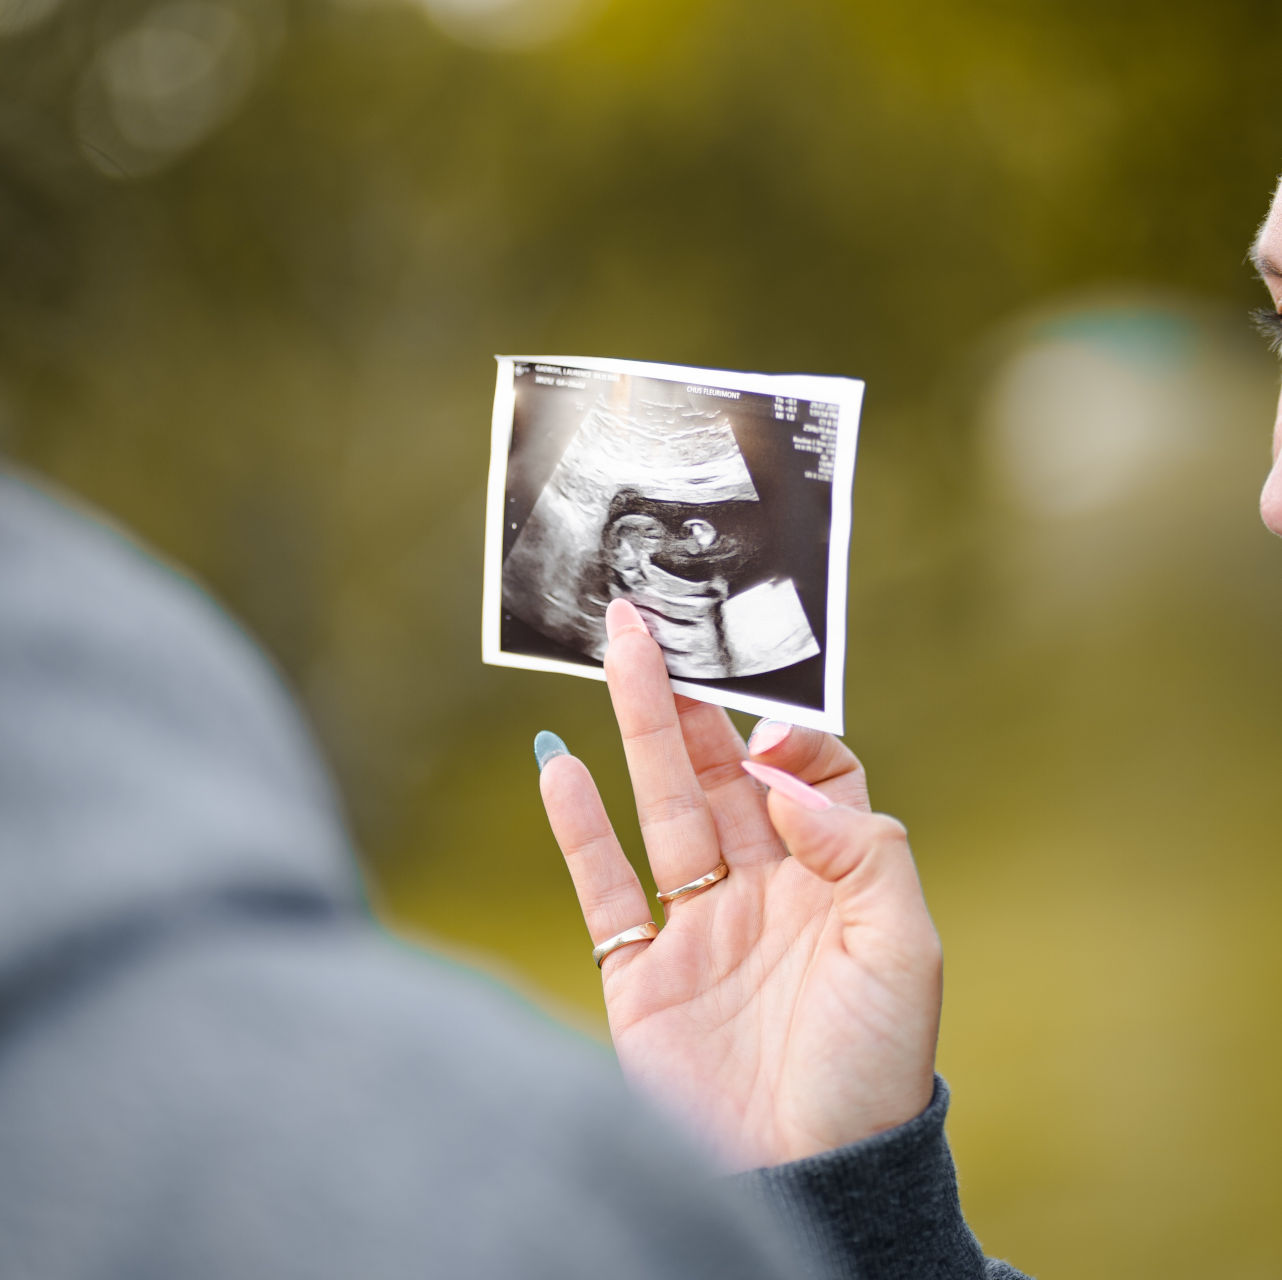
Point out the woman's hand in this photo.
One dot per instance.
(792, 1006)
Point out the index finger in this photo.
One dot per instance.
(676, 823)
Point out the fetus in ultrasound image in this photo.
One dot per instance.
(679, 562)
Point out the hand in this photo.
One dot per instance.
(793, 1006)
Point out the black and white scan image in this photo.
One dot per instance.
(708, 503)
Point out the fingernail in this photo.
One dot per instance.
(621, 615)
(547, 746)
(767, 734)
(806, 796)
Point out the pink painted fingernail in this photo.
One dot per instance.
(621, 615)
(787, 785)
(767, 734)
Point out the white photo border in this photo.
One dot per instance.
(846, 393)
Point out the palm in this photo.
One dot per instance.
(776, 1012)
(712, 994)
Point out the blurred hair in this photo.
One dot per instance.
(43, 181)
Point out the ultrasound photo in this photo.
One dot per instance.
(709, 500)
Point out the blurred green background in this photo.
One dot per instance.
(255, 258)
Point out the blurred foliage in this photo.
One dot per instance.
(252, 316)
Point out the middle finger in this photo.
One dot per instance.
(716, 751)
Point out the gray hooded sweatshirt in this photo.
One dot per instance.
(213, 1063)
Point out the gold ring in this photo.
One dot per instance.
(638, 933)
(719, 872)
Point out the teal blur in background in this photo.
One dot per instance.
(255, 260)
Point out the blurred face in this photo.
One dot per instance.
(1266, 253)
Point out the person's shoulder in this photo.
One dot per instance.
(316, 1099)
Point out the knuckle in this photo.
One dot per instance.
(886, 832)
(583, 847)
(837, 761)
(606, 898)
(830, 849)
(672, 807)
(814, 746)
(642, 726)
(719, 774)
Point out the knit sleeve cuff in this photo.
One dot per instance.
(885, 1208)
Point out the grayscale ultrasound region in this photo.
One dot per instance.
(653, 500)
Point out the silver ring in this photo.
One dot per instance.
(719, 872)
(638, 933)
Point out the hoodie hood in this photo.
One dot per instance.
(149, 756)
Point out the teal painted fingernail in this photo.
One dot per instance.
(547, 746)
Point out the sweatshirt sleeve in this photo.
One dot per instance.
(886, 1208)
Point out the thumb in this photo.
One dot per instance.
(816, 758)
(864, 856)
